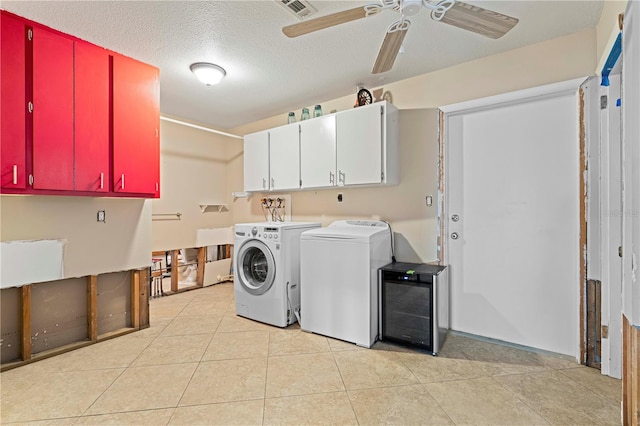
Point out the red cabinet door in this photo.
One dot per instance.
(136, 110)
(52, 110)
(91, 93)
(13, 105)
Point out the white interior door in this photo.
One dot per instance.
(511, 217)
(611, 228)
(631, 163)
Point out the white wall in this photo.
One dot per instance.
(554, 60)
(193, 171)
(123, 242)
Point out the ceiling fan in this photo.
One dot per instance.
(462, 15)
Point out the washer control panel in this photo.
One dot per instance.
(269, 233)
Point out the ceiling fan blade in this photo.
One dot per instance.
(390, 46)
(478, 20)
(322, 22)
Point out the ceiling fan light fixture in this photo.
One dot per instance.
(208, 73)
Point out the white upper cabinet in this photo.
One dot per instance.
(318, 152)
(352, 147)
(256, 161)
(284, 156)
(366, 140)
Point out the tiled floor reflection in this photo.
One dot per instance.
(200, 364)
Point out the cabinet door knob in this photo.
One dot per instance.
(15, 174)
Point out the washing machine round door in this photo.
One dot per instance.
(256, 267)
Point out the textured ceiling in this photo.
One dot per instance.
(268, 73)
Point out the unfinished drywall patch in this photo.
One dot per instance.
(10, 325)
(114, 301)
(58, 314)
(17, 259)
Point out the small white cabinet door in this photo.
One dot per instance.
(359, 145)
(318, 152)
(256, 161)
(284, 154)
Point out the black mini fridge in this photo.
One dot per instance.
(414, 304)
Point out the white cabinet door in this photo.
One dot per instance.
(359, 145)
(284, 154)
(318, 152)
(256, 161)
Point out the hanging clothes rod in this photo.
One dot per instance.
(166, 216)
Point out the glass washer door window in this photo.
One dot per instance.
(256, 267)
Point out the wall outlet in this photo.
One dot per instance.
(340, 197)
(102, 217)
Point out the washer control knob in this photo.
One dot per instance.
(275, 237)
(254, 231)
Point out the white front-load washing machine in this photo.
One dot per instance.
(267, 270)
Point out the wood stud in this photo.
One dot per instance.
(202, 258)
(174, 271)
(139, 318)
(583, 231)
(92, 307)
(26, 322)
(135, 299)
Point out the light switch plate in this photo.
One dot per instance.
(101, 216)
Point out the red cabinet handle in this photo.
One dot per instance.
(15, 174)
(122, 182)
(101, 180)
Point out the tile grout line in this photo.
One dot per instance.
(346, 391)
(266, 378)
(515, 395)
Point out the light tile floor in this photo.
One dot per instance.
(200, 364)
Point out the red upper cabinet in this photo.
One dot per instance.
(52, 110)
(136, 112)
(91, 95)
(13, 104)
(75, 119)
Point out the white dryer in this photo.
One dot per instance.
(339, 271)
(267, 270)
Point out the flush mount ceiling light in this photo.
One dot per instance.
(208, 73)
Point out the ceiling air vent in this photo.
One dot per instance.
(300, 8)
